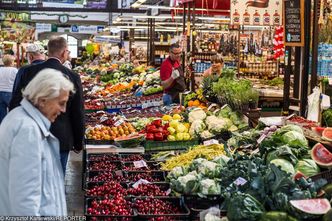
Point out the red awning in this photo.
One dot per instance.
(211, 7)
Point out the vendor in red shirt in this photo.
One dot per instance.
(171, 75)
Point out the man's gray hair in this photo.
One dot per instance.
(47, 84)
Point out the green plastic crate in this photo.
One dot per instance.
(169, 145)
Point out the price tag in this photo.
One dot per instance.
(168, 191)
(210, 142)
(119, 122)
(103, 118)
(119, 173)
(240, 181)
(145, 105)
(260, 140)
(290, 116)
(140, 164)
(140, 181)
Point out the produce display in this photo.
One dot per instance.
(262, 173)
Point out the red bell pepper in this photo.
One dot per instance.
(158, 136)
(151, 128)
(149, 136)
(166, 126)
(157, 122)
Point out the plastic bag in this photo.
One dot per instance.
(211, 214)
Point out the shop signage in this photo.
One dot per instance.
(258, 12)
(43, 27)
(293, 13)
(91, 29)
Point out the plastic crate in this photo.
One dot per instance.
(111, 174)
(90, 164)
(91, 185)
(169, 145)
(124, 157)
(152, 166)
(163, 186)
(103, 157)
(87, 204)
(175, 201)
(160, 175)
(327, 175)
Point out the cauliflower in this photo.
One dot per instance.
(209, 187)
(221, 160)
(177, 172)
(206, 168)
(186, 184)
(206, 134)
(197, 114)
(196, 128)
(216, 124)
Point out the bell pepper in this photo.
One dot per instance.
(149, 136)
(166, 126)
(157, 122)
(158, 136)
(151, 128)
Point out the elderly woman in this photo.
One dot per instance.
(216, 67)
(7, 78)
(32, 180)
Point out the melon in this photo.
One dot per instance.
(318, 130)
(130, 141)
(312, 206)
(327, 134)
(321, 155)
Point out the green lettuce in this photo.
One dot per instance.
(308, 167)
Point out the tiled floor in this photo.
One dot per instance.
(73, 182)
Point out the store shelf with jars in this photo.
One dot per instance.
(256, 58)
(207, 45)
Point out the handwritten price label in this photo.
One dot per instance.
(139, 182)
(240, 181)
(140, 164)
(210, 142)
(261, 138)
(119, 122)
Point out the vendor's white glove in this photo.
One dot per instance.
(175, 74)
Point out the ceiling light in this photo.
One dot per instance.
(158, 17)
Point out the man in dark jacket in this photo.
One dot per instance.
(69, 126)
(35, 55)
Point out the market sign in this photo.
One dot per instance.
(90, 29)
(256, 12)
(14, 17)
(293, 12)
(43, 27)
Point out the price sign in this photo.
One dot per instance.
(261, 138)
(293, 14)
(240, 181)
(119, 173)
(168, 191)
(119, 122)
(141, 181)
(210, 142)
(140, 164)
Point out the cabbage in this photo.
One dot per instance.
(290, 127)
(284, 165)
(295, 139)
(283, 152)
(307, 167)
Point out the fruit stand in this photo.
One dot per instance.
(144, 161)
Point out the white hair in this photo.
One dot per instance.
(47, 84)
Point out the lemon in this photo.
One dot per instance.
(176, 117)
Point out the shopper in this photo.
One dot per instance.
(67, 63)
(35, 54)
(69, 126)
(7, 78)
(216, 66)
(32, 180)
(171, 75)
